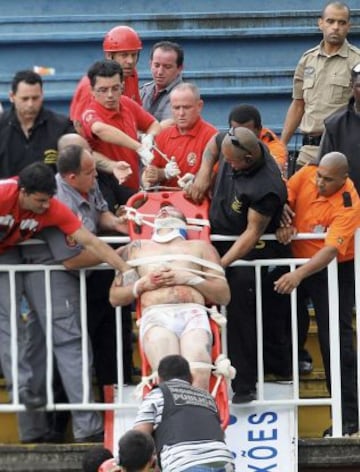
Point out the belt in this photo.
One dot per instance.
(311, 140)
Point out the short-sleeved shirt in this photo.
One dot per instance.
(323, 82)
(18, 225)
(187, 148)
(342, 134)
(338, 215)
(158, 104)
(82, 95)
(129, 118)
(235, 192)
(18, 150)
(88, 210)
(276, 147)
(180, 456)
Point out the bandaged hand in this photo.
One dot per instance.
(171, 169)
(147, 141)
(146, 155)
(186, 181)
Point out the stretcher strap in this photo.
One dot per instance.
(177, 257)
(194, 224)
(222, 368)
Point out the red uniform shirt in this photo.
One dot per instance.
(130, 118)
(187, 148)
(82, 96)
(338, 215)
(18, 225)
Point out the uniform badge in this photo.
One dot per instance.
(236, 205)
(88, 116)
(309, 71)
(191, 159)
(70, 241)
(50, 156)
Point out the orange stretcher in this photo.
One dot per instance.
(149, 204)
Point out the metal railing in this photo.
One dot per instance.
(334, 401)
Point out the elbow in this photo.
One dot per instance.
(113, 300)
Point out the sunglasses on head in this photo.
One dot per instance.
(236, 142)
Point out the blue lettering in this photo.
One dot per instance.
(263, 449)
(261, 470)
(261, 435)
(253, 419)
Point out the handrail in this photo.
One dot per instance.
(334, 401)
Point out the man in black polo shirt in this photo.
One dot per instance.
(28, 131)
(248, 198)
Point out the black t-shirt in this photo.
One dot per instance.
(18, 151)
(235, 192)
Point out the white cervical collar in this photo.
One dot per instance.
(177, 226)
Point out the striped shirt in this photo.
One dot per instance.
(178, 457)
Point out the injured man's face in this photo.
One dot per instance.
(170, 210)
(169, 223)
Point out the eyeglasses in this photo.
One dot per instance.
(105, 90)
(236, 142)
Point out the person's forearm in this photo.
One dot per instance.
(318, 262)
(82, 260)
(154, 128)
(109, 222)
(103, 163)
(120, 295)
(114, 135)
(292, 120)
(241, 247)
(100, 249)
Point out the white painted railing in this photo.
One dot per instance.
(334, 401)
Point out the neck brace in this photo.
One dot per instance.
(176, 225)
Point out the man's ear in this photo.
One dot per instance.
(11, 96)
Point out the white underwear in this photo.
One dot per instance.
(176, 317)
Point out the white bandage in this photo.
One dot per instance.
(147, 141)
(171, 169)
(196, 280)
(135, 289)
(146, 155)
(186, 180)
(129, 277)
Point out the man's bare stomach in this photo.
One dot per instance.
(176, 294)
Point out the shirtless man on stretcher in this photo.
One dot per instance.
(176, 276)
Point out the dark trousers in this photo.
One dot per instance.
(241, 315)
(316, 288)
(114, 193)
(102, 329)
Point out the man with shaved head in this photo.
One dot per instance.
(324, 199)
(247, 202)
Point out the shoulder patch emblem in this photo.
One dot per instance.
(70, 241)
(191, 159)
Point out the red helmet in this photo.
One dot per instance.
(122, 38)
